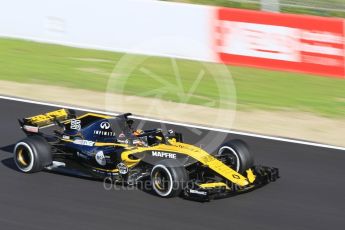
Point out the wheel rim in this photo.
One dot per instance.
(23, 157)
(161, 180)
(231, 155)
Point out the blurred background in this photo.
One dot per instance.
(273, 67)
(330, 8)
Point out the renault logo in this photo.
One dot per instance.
(105, 125)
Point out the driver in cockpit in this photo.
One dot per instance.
(134, 138)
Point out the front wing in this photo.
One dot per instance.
(217, 190)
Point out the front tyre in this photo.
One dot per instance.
(32, 154)
(236, 154)
(168, 178)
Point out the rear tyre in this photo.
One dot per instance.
(236, 154)
(32, 154)
(168, 178)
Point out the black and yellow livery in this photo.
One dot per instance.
(101, 146)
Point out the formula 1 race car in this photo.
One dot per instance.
(100, 146)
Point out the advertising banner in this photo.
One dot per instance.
(290, 42)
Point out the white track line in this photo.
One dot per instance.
(180, 124)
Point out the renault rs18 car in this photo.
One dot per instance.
(100, 146)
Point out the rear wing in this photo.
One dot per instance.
(33, 124)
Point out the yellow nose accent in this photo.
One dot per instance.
(250, 175)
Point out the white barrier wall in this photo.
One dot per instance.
(138, 26)
(215, 34)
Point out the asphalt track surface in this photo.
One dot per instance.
(309, 195)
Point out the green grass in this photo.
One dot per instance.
(31, 62)
(332, 4)
(225, 3)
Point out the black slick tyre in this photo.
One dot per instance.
(32, 154)
(236, 154)
(168, 178)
